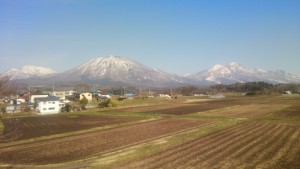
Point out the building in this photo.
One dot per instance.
(33, 97)
(49, 105)
(129, 95)
(88, 96)
(69, 92)
(164, 95)
(60, 94)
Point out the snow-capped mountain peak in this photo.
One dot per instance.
(236, 73)
(121, 69)
(28, 71)
(117, 70)
(234, 66)
(219, 69)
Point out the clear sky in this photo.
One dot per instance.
(177, 36)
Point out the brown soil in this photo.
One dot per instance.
(96, 143)
(293, 111)
(182, 108)
(36, 126)
(254, 145)
(251, 110)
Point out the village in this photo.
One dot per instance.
(54, 102)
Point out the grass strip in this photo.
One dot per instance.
(122, 157)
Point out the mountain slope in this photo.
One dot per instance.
(28, 71)
(123, 70)
(235, 73)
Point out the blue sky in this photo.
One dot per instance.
(177, 36)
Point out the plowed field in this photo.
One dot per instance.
(182, 108)
(36, 126)
(252, 110)
(252, 145)
(95, 143)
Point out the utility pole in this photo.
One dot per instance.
(29, 93)
(140, 90)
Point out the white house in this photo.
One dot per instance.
(49, 105)
(88, 96)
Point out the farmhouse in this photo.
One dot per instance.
(49, 105)
(88, 96)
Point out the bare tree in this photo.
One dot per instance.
(7, 87)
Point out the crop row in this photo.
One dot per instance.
(258, 144)
(95, 143)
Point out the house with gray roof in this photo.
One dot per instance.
(49, 105)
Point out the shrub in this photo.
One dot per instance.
(67, 108)
(106, 103)
(83, 102)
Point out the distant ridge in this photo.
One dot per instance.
(121, 71)
(28, 71)
(236, 73)
(117, 69)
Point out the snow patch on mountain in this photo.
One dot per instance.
(122, 69)
(236, 73)
(28, 71)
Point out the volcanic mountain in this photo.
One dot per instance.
(236, 73)
(122, 70)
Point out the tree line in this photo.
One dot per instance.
(8, 88)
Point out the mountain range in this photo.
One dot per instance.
(122, 71)
(236, 73)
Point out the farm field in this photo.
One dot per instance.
(252, 110)
(94, 143)
(251, 145)
(180, 108)
(206, 105)
(31, 127)
(236, 132)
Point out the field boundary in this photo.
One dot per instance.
(91, 161)
(104, 146)
(73, 133)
